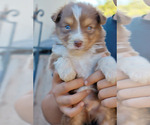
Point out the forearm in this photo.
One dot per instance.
(24, 107)
(51, 111)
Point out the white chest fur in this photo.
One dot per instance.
(85, 64)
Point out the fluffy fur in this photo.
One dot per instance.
(73, 60)
(136, 67)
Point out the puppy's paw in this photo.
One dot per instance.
(137, 68)
(65, 69)
(141, 74)
(67, 74)
(108, 66)
(110, 75)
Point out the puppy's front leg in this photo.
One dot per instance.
(108, 66)
(65, 69)
(136, 67)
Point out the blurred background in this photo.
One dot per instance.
(25, 33)
(139, 11)
(16, 43)
(133, 8)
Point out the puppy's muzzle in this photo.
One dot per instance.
(78, 43)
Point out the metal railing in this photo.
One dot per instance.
(11, 49)
(38, 49)
(6, 51)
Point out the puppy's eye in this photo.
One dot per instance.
(67, 27)
(89, 28)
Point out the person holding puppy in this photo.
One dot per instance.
(58, 101)
(52, 108)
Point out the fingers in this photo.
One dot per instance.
(127, 83)
(110, 102)
(56, 79)
(107, 93)
(131, 93)
(142, 102)
(95, 77)
(72, 111)
(103, 84)
(134, 92)
(121, 75)
(68, 100)
(64, 87)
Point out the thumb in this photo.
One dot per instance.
(56, 79)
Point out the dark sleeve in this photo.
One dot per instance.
(111, 36)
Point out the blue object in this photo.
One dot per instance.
(111, 36)
(140, 36)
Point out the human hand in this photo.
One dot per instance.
(107, 91)
(70, 105)
(132, 94)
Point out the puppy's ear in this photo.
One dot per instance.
(122, 18)
(100, 18)
(56, 17)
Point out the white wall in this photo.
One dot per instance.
(25, 24)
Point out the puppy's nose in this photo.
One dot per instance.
(78, 43)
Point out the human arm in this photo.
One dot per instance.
(58, 101)
(24, 107)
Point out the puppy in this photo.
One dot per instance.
(79, 52)
(135, 67)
